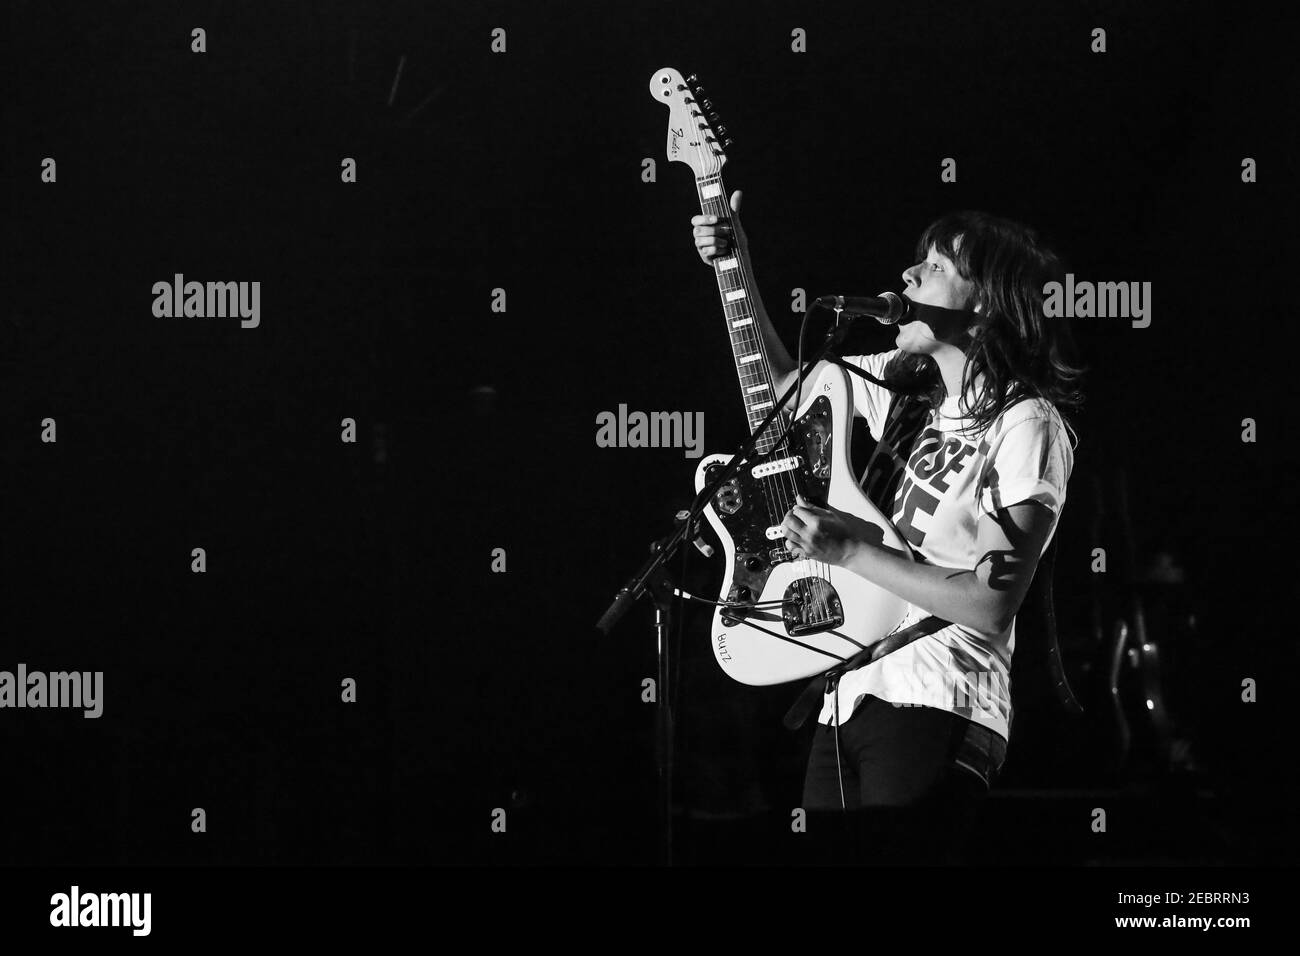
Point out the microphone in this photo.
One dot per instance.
(887, 308)
(890, 309)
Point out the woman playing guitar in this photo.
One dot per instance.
(971, 465)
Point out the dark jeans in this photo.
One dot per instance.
(913, 779)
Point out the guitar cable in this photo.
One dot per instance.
(839, 770)
(675, 643)
(798, 397)
(739, 605)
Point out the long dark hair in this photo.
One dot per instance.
(1022, 353)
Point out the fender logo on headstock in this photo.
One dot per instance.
(674, 135)
(674, 147)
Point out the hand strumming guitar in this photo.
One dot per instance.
(826, 534)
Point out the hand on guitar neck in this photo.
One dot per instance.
(713, 239)
(719, 238)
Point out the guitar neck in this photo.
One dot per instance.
(735, 288)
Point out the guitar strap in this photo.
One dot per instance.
(811, 697)
(862, 373)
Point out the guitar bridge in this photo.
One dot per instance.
(812, 606)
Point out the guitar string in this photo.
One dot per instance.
(824, 567)
(787, 487)
(719, 207)
(711, 207)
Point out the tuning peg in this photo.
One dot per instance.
(692, 78)
(708, 104)
(722, 131)
(727, 142)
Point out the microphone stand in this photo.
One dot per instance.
(652, 579)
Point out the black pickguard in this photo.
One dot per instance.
(748, 506)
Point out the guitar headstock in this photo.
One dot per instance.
(693, 136)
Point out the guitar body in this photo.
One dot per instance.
(831, 613)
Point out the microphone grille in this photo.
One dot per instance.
(897, 309)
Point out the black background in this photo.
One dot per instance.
(372, 561)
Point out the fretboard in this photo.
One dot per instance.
(735, 289)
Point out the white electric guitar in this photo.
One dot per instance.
(780, 618)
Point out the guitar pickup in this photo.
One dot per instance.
(776, 467)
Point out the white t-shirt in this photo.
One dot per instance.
(935, 500)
